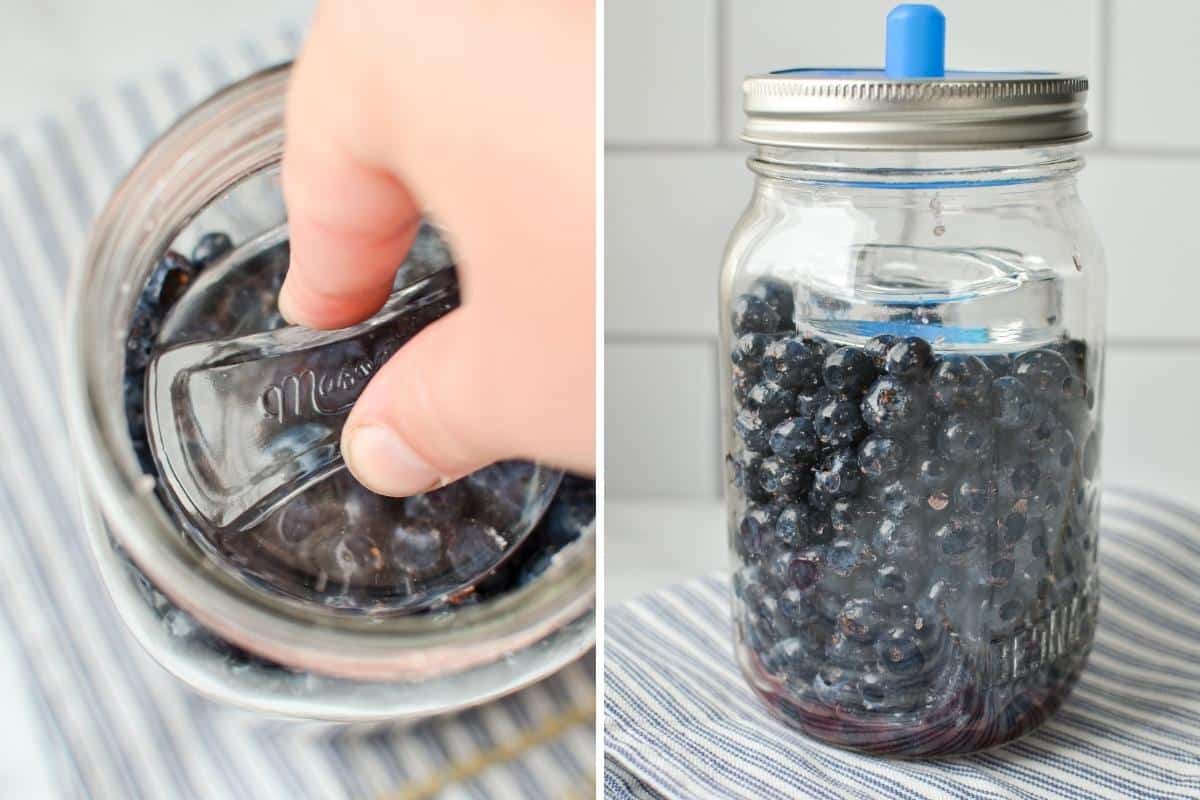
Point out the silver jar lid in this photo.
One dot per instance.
(914, 103)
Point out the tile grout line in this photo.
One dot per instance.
(1104, 40)
(722, 21)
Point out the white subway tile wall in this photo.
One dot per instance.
(676, 182)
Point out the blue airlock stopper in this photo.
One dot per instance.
(916, 42)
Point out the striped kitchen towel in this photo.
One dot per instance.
(87, 713)
(680, 721)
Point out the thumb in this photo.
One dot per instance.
(423, 420)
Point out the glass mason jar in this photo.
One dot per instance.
(217, 169)
(912, 340)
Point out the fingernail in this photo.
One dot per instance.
(385, 464)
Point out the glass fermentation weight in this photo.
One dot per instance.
(244, 416)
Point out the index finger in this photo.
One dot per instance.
(350, 220)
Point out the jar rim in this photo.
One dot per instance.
(233, 135)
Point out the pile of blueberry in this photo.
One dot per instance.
(338, 544)
(915, 529)
(572, 512)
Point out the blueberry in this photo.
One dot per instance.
(1075, 352)
(1022, 479)
(447, 503)
(848, 370)
(748, 352)
(778, 295)
(782, 478)
(472, 547)
(938, 504)
(880, 457)
(934, 473)
(572, 510)
(1045, 373)
(795, 440)
(897, 498)
(844, 650)
(999, 572)
(839, 473)
(1058, 453)
(143, 330)
(302, 519)
(754, 433)
(834, 686)
(974, 495)
(959, 382)
(839, 423)
(804, 569)
(879, 693)
(1012, 405)
(998, 363)
(769, 623)
(893, 584)
(416, 549)
(1047, 503)
(1038, 434)
(966, 439)
(772, 402)
(534, 567)
(959, 537)
(171, 279)
(819, 498)
(794, 362)
(1003, 610)
(786, 658)
(841, 514)
(745, 467)
(749, 582)
(792, 526)
(808, 403)
(943, 591)
(743, 383)
(899, 652)
(896, 540)
(756, 529)
(811, 634)
(877, 348)
(847, 555)
(852, 516)
(820, 526)
(1013, 527)
(754, 315)
(909, 358)
(348, 558)
(860, 620)
(891, 406)
(211, 246)
(796, 606)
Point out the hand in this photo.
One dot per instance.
(481, 114)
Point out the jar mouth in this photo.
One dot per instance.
(233, 136)
(906, 169)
